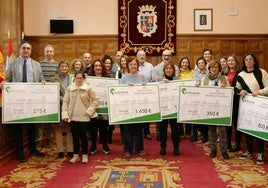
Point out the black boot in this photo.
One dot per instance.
(176, 151)
(70, 154)
(193, 138)
(60, 155)
(204, 139)
(235, 149)
(213, 153)
(225, 155)
(163, 151)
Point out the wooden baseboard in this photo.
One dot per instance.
(7, 156)
(10, 153)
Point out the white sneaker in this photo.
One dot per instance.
(75, 158)
(260, 158)
(246, 155)
(84, 158)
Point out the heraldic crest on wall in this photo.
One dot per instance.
(147, 20)
(148, 25)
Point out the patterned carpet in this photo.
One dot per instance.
(193, 168)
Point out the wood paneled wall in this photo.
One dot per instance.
(71, 46)
(11, 12)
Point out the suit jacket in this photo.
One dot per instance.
(14, 72)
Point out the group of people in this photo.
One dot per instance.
(79, 101)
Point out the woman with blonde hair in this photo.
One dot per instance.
(186, 73)
(77, 65)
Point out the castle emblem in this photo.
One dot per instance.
(147, 20)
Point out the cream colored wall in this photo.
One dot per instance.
(251, 16)
(93, 17)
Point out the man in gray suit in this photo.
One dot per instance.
(30, 72)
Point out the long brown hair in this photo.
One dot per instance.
(103, 73)
(172, 66)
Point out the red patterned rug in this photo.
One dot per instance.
(192, 168)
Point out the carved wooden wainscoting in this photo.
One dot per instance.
(71, 46)
(222, 45)
(7, 145)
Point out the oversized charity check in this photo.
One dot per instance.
(99, 84)
(133, 104)
(169, 96)
(30, 103)
(253, 116)
(205, 105)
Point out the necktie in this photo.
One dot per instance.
(24, 72)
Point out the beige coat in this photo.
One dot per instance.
(88, 98)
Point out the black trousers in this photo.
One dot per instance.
(101, 126)
(249, 142)
(79, 132)
(133, 138)
(18, 136)
(174, 126)
(204, 130)
(146, 129)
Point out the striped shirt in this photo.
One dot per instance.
(49, 70)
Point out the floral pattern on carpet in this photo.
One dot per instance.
(33, 173)
(139, 172)
(236, 172)
(136, 172)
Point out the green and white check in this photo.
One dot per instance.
(133, 104)
(99, 85)
(169, 96)
(253, 116)
(205, 105)
(30, 103)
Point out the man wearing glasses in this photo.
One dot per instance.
(158, 75)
